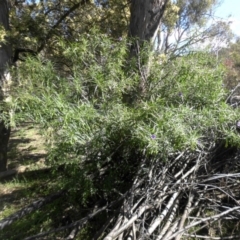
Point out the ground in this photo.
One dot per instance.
(27, 173)
(29, 179)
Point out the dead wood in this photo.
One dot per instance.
(20, 170)
(29, 209)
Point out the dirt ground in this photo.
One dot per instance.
(26, 156)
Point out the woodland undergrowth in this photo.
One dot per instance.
(160, 163)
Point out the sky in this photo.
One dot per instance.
(227, 8)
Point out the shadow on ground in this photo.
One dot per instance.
(26, 146)
(26, 156)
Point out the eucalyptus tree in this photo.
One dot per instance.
(188, 23)
(229, 56)
(5, 59)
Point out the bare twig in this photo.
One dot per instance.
(114, 234)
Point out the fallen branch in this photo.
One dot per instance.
(20, 170)
(30, 208)
(112, 235)
(77, 225)
(212, 238)
(14, 171)
(211, 218)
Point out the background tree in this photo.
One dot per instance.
(46, 21)
(230, 58)
(189, 22)
(146, 18)
(5, 60)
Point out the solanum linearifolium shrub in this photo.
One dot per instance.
(95, 133)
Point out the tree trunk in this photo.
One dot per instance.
(145, 22)
(146, 18)
(5, 59)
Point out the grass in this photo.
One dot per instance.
(26, 147)
(26, 151)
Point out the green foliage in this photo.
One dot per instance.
(99, 138)
(36, 25)
(195, 11)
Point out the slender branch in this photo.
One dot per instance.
(159, 219)
(49, 34)
(22, 50)
(114, 234)
(185, 214)
(68, 12)
(169, 221)
(171, 230)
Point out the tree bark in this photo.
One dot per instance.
(145, 22)
(146, 18)
(5, 59)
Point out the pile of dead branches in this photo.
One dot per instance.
(195, 195)
(192, 195)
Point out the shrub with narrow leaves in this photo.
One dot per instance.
(93, 131)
